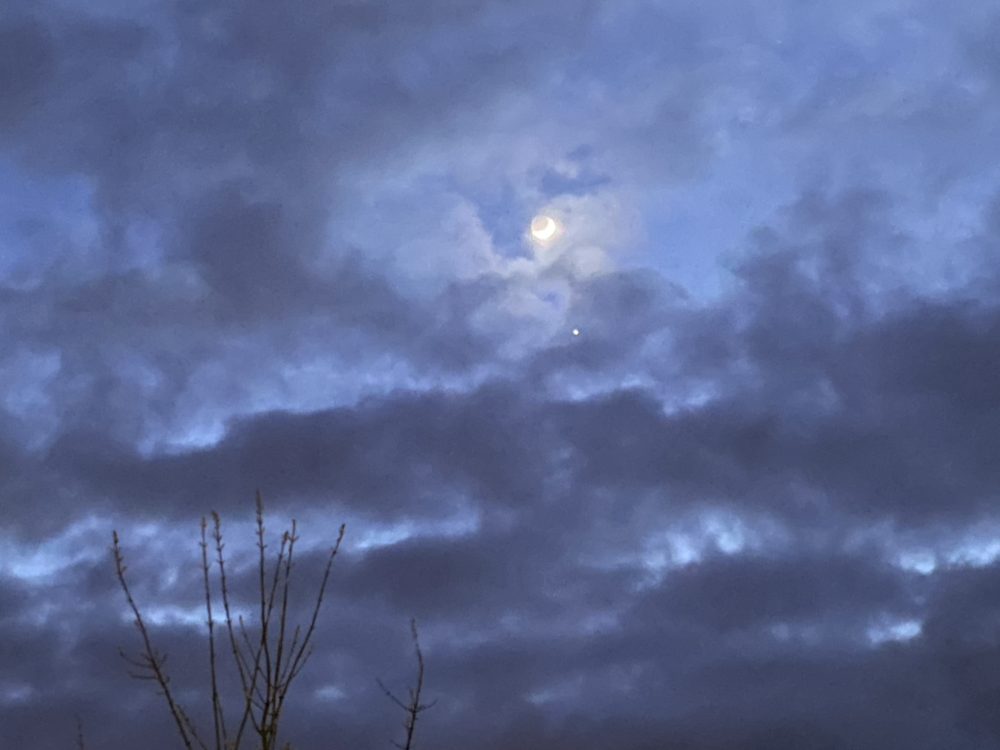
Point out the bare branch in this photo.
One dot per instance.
(242, 666)
(413, 707)
(265, 670)
(152, 662)
(218, 721)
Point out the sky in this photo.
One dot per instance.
(754, 503)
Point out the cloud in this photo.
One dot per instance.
(285, 249)
(823, 434)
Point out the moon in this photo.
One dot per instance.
(543, 228)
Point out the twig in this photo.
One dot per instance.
(218, 721)
(79, 734)
(149, 660)
(265, 671)
(413, 707)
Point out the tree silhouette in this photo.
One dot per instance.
(266, 665)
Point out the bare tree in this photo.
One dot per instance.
(266, 666)
(413, 707)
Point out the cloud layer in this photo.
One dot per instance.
(753, 504)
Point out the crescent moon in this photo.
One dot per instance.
(543, 228)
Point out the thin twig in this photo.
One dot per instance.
(218, 721)
(151, 660)
(300, 657)
(413, 707)
(265, 672)
(241, 665)
(79, 734)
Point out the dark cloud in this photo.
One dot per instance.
(25, 68)
(744, 592)
(250, 247)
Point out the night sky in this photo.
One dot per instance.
(753, 501)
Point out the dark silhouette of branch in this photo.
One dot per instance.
(218, 720)
(79, 734)
(149, 663)
(413, 707)
(266, 671)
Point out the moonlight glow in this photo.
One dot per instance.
(543, 228)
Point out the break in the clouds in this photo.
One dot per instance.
(714, 467)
